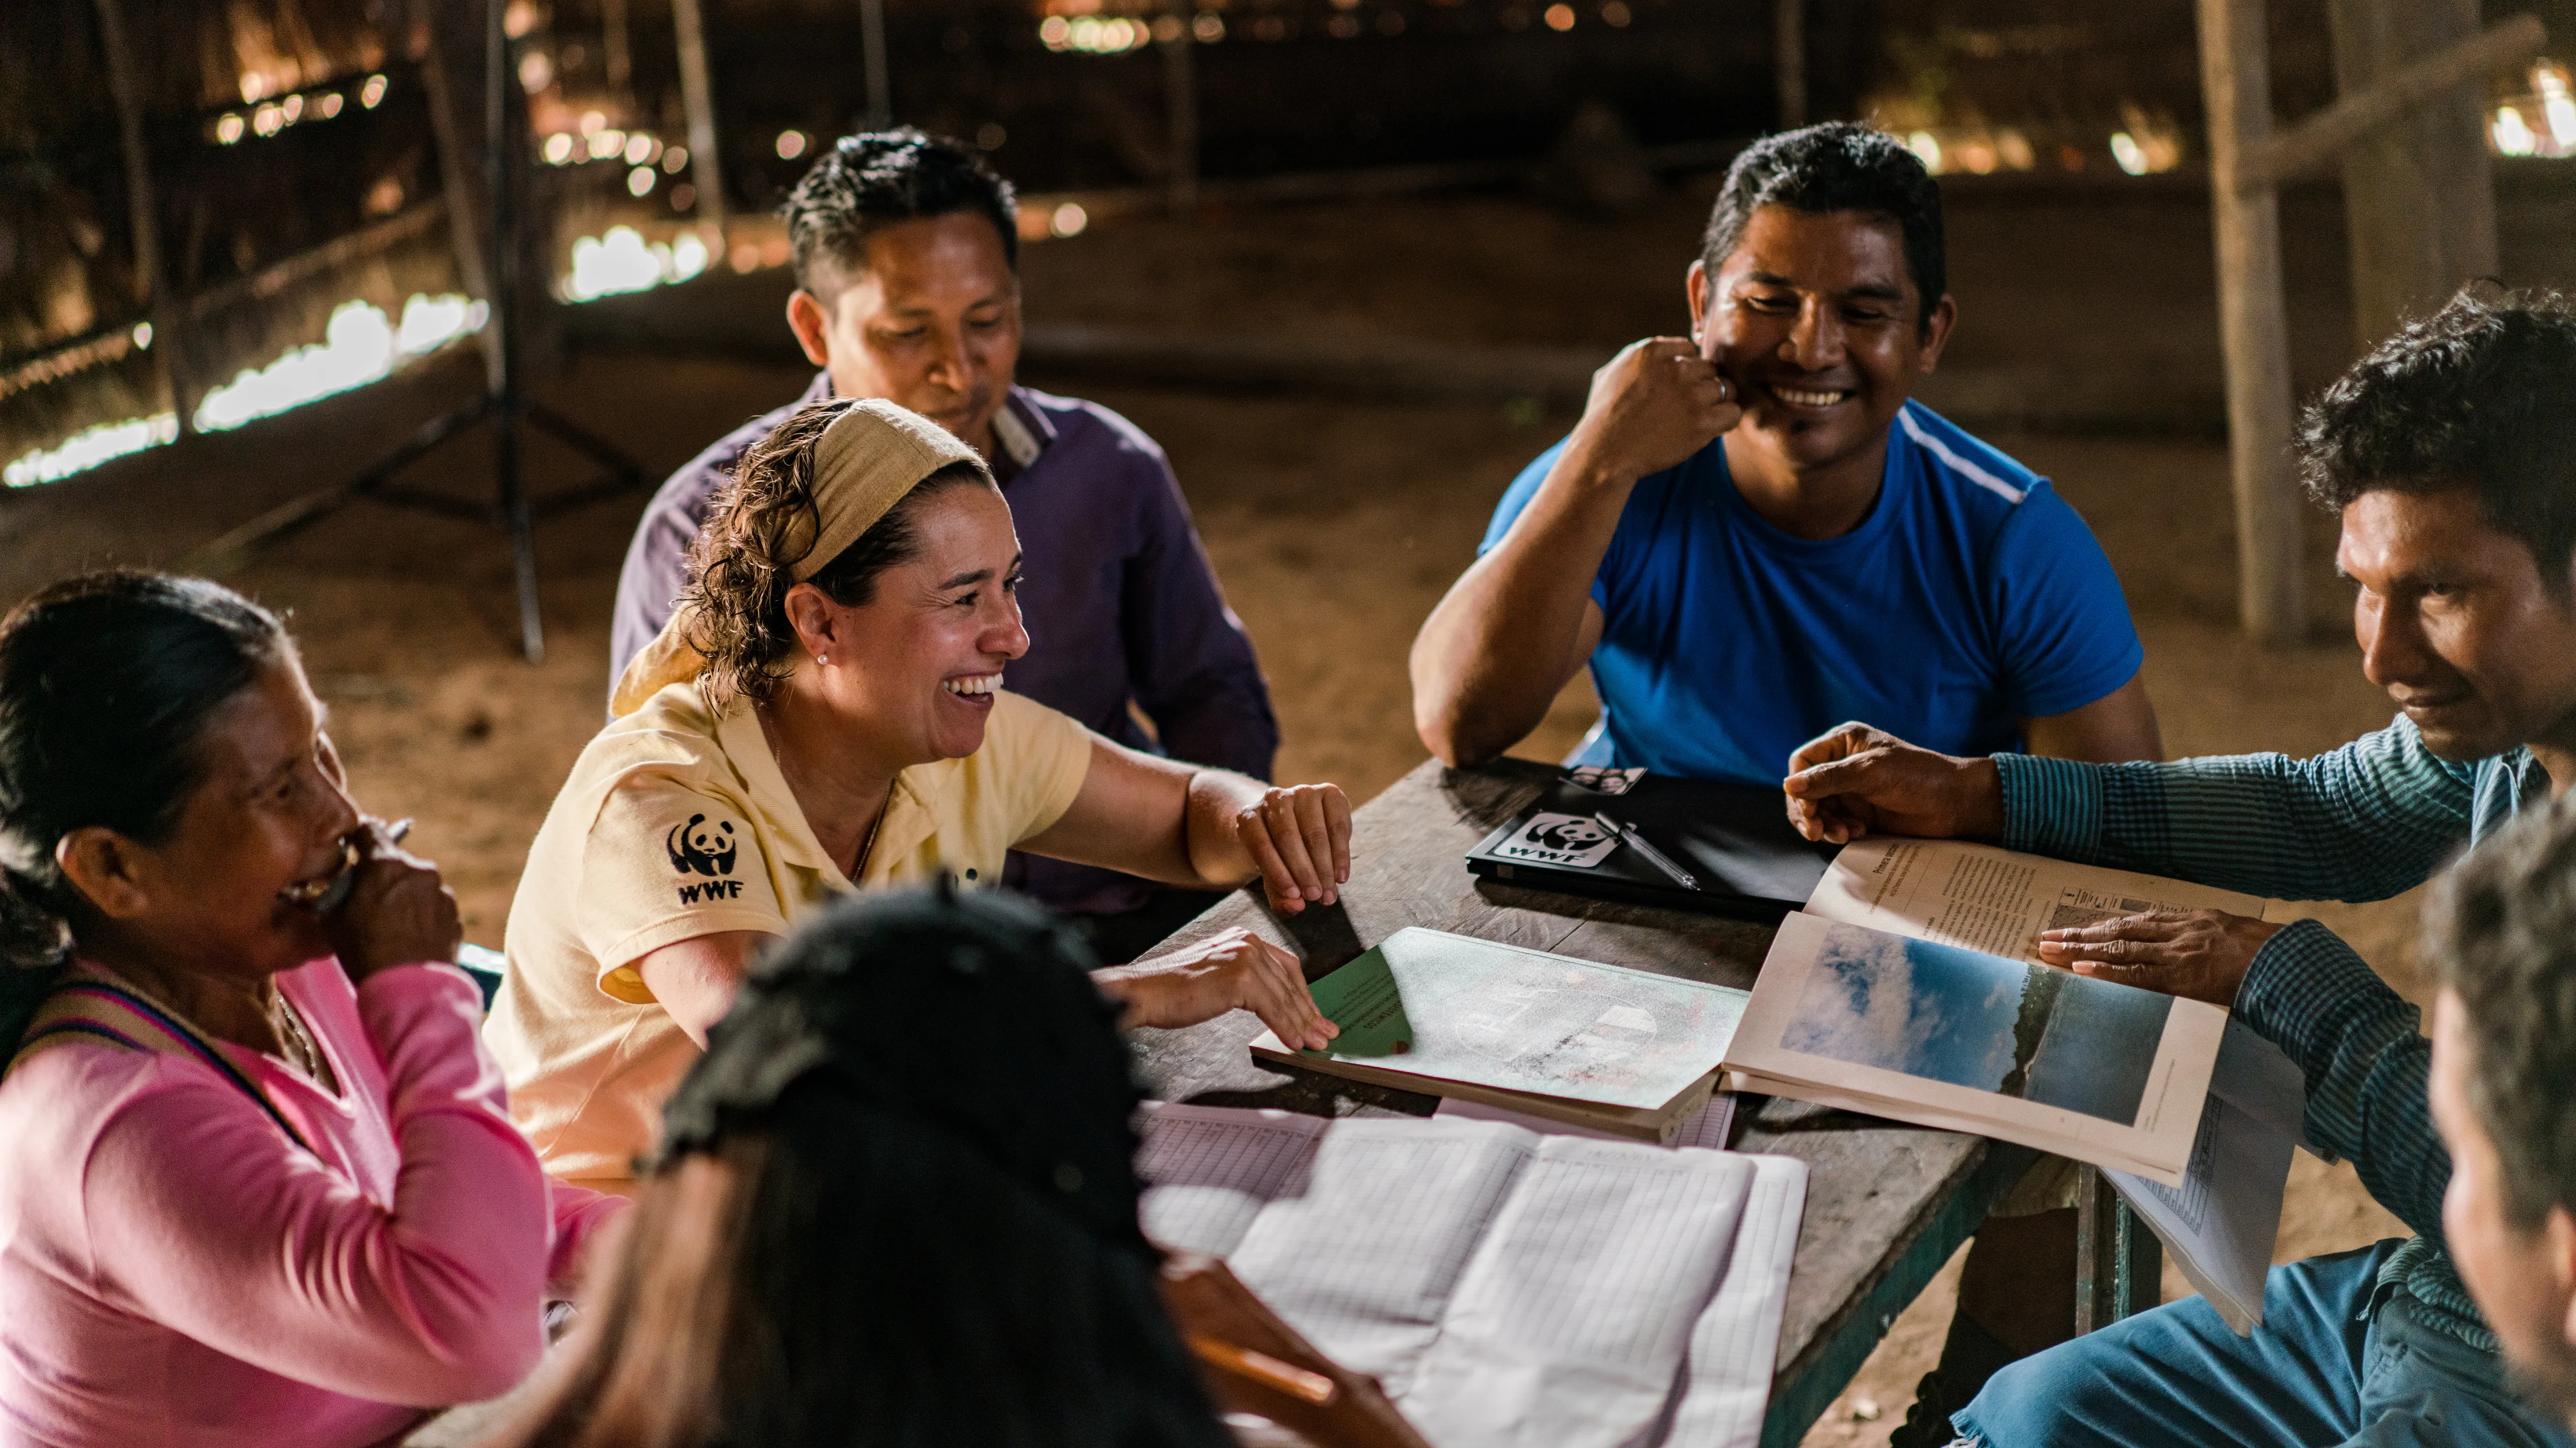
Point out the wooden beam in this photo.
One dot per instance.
(455, 109)
(2253, 326)
(2419, 192)
(697, 100)
(2317, 141)
(1181, 111)
(872, 49)
(144, 216)
(1789, 60)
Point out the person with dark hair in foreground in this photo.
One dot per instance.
(257, 1183)
(1754, 534)
(2450, 454)
(923, 1235)
(907, 288)
(2501, 935)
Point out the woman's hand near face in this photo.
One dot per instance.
(1232, 969)
(398, 911)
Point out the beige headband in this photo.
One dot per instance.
(864, 463)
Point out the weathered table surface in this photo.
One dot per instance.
(1886, 1203)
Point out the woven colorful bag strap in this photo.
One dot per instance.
(87, 1006)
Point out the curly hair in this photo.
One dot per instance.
(878, 178)
(1837, 166)
(2501, 929)
(759, 526)
(2480, 394)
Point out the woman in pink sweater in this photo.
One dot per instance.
(258, 1184)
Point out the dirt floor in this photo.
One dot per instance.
(1334, 525)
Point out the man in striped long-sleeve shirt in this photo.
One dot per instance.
(2450, 454)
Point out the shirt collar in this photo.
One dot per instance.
(910, 814)
(1021, 429)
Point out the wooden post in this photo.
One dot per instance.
(616, 43)
(2253, 328)
(143, 215)
(872, 45)
(697, 98)
(2418, 194)
(1789, 60)
(2119, 1264)
(1181, 108)
(455, 111)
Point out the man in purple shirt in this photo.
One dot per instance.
(907, 255)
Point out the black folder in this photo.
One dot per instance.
(1734, 840)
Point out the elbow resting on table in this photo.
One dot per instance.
(1452, 731)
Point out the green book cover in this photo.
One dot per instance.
(1460, 1009)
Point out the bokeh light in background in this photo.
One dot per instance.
(360, 344)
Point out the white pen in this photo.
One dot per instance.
(1656, 857)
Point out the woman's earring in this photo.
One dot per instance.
(823, 659)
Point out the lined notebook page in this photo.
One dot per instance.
(1735, 1346)
(1366, 1243)
(1572, 1321)
(1212, 1170)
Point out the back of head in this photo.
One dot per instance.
(2501, 929)
(2480, 394)
(106, 685)
(1837, 166)
(874, 180)
(894, 1206)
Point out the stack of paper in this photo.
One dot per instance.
(1508, 1287)
(1628, 1052)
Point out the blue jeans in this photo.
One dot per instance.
(2323, 1369)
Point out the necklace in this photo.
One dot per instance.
(294, 1042)
(769, 736)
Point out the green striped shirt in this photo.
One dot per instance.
(2367, 821)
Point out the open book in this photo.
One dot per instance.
(1909, 988)
(1509, 1287)
(1623, 1051)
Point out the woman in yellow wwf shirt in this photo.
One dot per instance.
(825, 713)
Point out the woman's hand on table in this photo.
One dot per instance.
(1229, 970)
(398, 912)
(1299, 837)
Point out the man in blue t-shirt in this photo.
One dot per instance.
(1753, 536)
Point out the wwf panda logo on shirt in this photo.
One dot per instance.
(698, 848)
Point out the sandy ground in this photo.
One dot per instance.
(1334, 526)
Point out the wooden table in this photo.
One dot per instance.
(1886, 1203)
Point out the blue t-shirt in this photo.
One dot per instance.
(1971, 597)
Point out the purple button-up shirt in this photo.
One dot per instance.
(1120, 602)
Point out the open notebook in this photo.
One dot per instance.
(1508, 1286)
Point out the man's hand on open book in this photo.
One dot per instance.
(1857, 780)
(2200, 954)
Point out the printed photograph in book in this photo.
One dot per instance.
(1946, 1014)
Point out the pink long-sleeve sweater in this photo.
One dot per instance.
(173, 1270)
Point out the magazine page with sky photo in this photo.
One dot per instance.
(1932, 1033)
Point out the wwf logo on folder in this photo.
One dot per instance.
(1565, 840)
(1654, 839)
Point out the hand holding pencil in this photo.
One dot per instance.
(1255, 1363)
